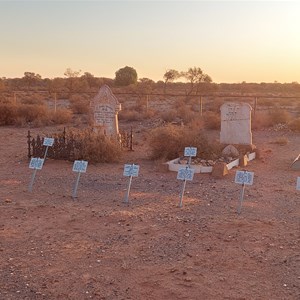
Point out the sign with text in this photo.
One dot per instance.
(190, 151)
(80, 166)
(185, 174)
(48, 142)
(131, 170)
(244, 177)
(298, 184)
(36, 163)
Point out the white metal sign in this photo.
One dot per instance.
(48, 142)
(185, 174)
(80, 166)
(131, 170)
(244, 177)
(298, 183)
(36, 163)
(190, 151)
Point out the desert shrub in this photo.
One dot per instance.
(280, 141)
(129, 115)
(169, 116)
(295, 125)
(61, 116)
(8, 114)
(279, 116)
(169, 142)
(212, 120)
(79, 104)
(33, 113)
(100, 148)
(261, 120)
(266, 102)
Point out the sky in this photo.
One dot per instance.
(231, 41)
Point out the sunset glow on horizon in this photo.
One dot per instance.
(230, 41)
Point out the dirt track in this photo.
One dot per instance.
(96, 247)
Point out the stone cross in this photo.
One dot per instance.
(104, 108)
(236, 124)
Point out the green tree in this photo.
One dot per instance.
(126, 76)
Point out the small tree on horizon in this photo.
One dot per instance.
(126, 76)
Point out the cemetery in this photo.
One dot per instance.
(126, 225)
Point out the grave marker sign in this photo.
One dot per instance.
(48, 142)
(185, 174)
(244, 178)
(35, 164)
(298, 184)
(79, 166)
(130, 171)
(236, 124)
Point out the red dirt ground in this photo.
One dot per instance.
(96, 247)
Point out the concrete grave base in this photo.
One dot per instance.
(174, 166)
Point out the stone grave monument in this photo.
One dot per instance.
(236, 124)
(104, 112)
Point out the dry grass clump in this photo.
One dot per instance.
(279, 116)
(131, 114)
(282, 141)
(212, 120)
(97, 147)
(169, 116)
(169, 142)
(79, 104)
(35, 115)
(295, 125)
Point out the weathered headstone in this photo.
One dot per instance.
(236, 124)
(104, 108)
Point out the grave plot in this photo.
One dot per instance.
(235, 137)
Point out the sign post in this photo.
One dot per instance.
(184, 174)
(79, 166)
(130, 171)
(298, 184)
(48, 142)
(244, 178)
(35, 164)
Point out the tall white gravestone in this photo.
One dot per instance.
(105, 107)
(236, 124)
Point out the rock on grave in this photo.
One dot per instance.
(236, 124)
(104, 111)
(230, 151)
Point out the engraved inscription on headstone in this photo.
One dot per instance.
(236, 124)
(105, 108)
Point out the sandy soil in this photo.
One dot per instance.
(96, 247)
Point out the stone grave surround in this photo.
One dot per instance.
(236, 124)
(104, 111)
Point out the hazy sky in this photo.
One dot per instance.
(232, 41)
